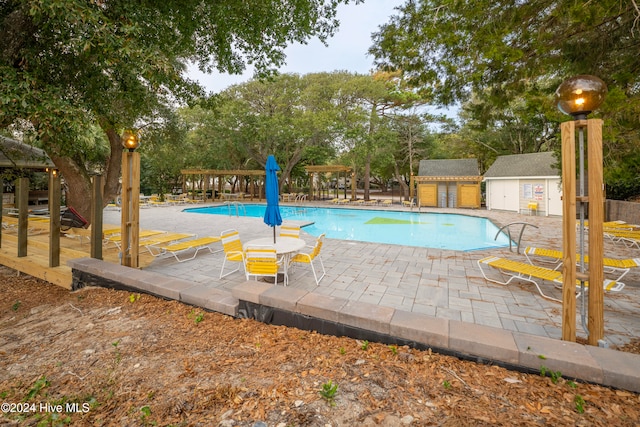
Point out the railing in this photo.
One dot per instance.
(239, 206)
(524, 225)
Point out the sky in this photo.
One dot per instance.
(346, 50)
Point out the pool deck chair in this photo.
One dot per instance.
(195, 245)
(290, 231)
(233, 251)
(527, 272)
(153, 244)
(116, 239)
(310, 257)
(618, 267)
(262, 261)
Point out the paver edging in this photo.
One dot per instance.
(548, 355)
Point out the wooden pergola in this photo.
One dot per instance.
(207, 174)
(320, 169)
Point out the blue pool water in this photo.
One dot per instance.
(429, 230)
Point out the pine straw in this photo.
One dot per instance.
(139, 360)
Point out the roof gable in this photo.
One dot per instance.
(15, 154)
(449, 167)
(522, 165)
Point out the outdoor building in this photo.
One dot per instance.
(524, 183)
(17, 155)
(452, 183)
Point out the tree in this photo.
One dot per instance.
(66, 64)
(505, 52)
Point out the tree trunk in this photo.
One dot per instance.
(78, 185)
(78, 180)
(111, 187)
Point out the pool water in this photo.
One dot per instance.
(429, 230)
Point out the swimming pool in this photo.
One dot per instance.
(429, 230)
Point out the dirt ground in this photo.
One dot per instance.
(99, 357)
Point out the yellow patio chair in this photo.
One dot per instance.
(262, 261)
(290, 231)
(527, 272)
(615, 266)
(233, 251)
(309, 258)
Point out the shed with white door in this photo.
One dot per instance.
(525, 183)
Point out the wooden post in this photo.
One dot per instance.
(411, 184)
(568, 230)
(130, 226)
(22, 201)
(311, 177)
(1, 210)
(96, 217)
(54, 218)
(353, 186)
(596, 219)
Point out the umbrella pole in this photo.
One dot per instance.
(274, 234)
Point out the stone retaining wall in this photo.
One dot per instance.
(618, 210)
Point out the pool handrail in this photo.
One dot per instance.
(524, 225)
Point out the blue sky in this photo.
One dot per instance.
(346, 50)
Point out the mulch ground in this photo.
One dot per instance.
(99, 357)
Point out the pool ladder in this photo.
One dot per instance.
(239, 206)
(524, 225)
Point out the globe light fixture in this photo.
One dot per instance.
(580, 95)
(130, 140)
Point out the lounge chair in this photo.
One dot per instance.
(290, 231)
(117, 238)
(262, 261)
(180, 247)
(629, 238)
(233, 251)
(527, 272)
(619, 267)
(386, 202)
(310, 257)
(153, 244)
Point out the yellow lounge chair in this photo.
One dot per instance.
(611, 265)
(153, 244)
(196, 245)
(629, 238)
(117, 238)
(527, 272)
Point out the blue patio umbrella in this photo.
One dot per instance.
(272, 215)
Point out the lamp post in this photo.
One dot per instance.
(578, 96)
(130, 223)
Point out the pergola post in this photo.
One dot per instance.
(54, 218)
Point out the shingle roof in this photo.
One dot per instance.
(15, 154)
(519, 165)
(449, 167)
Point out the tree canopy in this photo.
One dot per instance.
(503, 59)
(67, 64)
